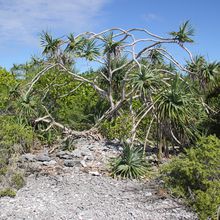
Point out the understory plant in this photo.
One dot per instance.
(118, 128)
(195, 176)
(130, 164)
(7, 192)
(13, 132)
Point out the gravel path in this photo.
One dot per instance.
(62, 186)
(78, 195)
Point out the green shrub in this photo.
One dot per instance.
(11, 133)
(7, 192)
(3, 170)
(119, 128)
(46, 137)
(195, 176)
(68, 144)
(130, 164)
(14, 138)
(7, 81)
(208, 201)
(17, 180)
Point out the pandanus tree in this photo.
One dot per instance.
(184, 34)
(206, 76)
(155, 57)
(51, 46)
(119, 55)
(145, 84)
(117, 78)
(203, 72)
(174, 109)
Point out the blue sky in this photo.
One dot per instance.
(21, 22)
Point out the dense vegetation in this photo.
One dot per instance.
(195, 175)
(142, 97)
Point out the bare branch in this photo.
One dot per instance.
(37, 77)
(72, 91)
(82, 79)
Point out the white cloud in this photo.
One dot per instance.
(151, 17)
(21, 21)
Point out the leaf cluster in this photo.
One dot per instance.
(130, 164)
(195, 176)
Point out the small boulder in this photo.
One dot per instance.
(50, 163)
(64, 155)
(94, 173)
(83, 163)
(76, 153)
(28, 157)
(71, 163)
(43, 157)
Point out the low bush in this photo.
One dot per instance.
(130, 164)
(3, 170)
(7, 192)
(15, 138)
(17, 180)
(195, 176)
(12, 132)
(119, 128)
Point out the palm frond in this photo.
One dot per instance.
(130, 164)
(184, 33)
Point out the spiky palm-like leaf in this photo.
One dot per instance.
(211, 71)
(110, 46)
(26, 109)
(197, 65)
(14, 91)
(175, 109)
(206, 73)
(146, 80)
(117, 77)
(184, 33)
(50, 45)
(90, 51)
(155, 57)
(75, 45)
(130, 164)
(173, 103)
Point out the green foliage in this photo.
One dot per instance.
(17, 180)
(82, 47)
(46, 137)
(130, 164)
(205, 74)
(195, 176)
(68, 144)
(7, 192)
(90, 51)
(7, 81)
(111, 45)
(75, 44)
(14, 139)
(184, 33)
(174, 102)
(73, 103)
(146, 81)
(117, 78)
(118, 128)
(208, 202)
(11, 133)
(50, 45)
(212, 122)
(176, 106)
(3, 170)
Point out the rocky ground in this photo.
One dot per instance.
(75, 185)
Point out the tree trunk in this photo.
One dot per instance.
(160, 145)
(166, 149)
